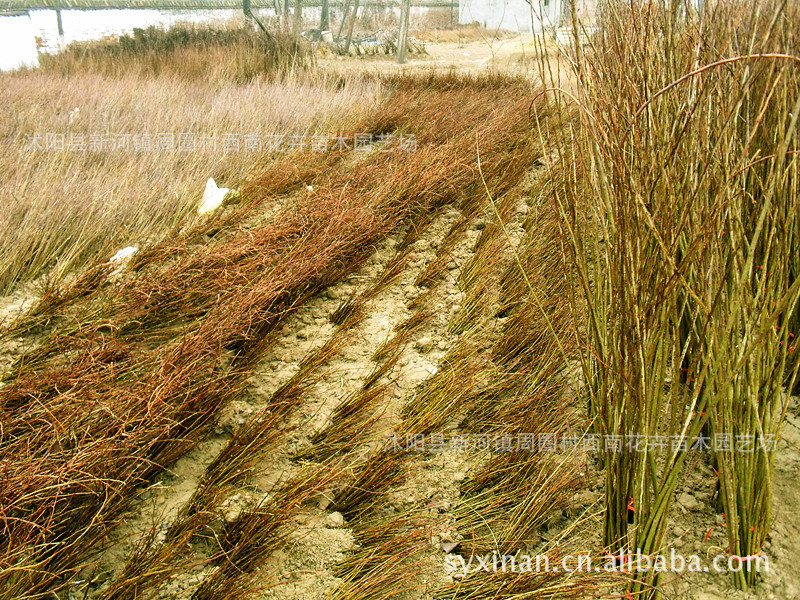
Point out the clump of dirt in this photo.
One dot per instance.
(12, 306)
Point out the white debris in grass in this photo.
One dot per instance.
(124, 254)
(212, 197)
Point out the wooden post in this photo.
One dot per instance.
(405, 12)
(344, 20)
(249, 14)
(350, 28)
(324, 18)
(61, 41)
(298, 17)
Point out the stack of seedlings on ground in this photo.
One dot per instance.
(109, 401)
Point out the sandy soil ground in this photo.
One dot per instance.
(508, 54)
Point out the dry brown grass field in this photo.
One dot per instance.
(380, 372)
(80, 148)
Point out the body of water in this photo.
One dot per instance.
(23, 36)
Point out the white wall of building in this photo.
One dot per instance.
(17, 43)
(513, 15)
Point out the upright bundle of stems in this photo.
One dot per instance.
(748, 349)
(750, 290)
(678, 190)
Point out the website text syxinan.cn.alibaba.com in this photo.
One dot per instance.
(617, 563)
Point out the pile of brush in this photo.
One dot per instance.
(130, 375)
